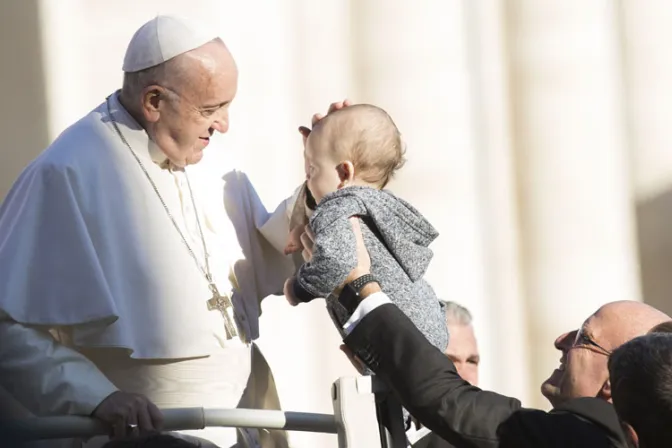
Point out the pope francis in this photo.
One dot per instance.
(123, 290)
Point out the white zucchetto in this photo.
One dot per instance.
(163, 38)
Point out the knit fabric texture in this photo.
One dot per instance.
(397, 237)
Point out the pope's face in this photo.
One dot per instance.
(196, 107)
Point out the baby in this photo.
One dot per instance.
(350, 156)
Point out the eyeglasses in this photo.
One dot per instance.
(204, 112)
(583, 339)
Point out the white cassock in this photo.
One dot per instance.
(88, 252)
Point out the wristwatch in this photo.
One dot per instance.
(350, 296)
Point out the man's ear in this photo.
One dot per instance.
(605, 391)
(346, 172)
(151, 97)
(630, 435)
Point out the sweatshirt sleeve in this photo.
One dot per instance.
(334, 256)
(47, 377)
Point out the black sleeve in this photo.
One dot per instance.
(427, 384)
(426, 381)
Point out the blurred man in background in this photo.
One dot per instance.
(463, 347)
(463, 351)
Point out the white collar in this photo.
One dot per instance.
(135, 135)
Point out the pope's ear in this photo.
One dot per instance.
(151, 99)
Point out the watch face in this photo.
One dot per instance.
(349, 298)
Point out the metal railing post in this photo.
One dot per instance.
(355, 413)
(367, 415)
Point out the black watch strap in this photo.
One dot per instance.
(358, 283)
(350, 296)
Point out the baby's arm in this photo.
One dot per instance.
(334, 256)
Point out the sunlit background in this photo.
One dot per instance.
(538, 136)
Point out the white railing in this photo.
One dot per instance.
(358, 403)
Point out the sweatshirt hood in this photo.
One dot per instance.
(406, 233)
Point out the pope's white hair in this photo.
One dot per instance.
(135, 82)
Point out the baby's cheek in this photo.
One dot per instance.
(313, 182)
(314, 187)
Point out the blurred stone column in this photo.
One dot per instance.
(495, 164)
(648, 67)
(410, 59)
(574, 184)
(24, 121)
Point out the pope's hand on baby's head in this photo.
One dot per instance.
(305, 132)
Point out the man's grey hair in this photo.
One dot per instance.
(456, 313)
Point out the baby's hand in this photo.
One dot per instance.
(289, 291)
(294, 243)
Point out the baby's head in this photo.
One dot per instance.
(356, 145)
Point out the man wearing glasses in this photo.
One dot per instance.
(427, 383)
(579, 390)
(585, 352)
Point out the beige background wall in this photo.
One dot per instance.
(538, 145)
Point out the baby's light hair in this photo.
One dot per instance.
(367, 136)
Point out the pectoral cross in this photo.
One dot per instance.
(225, 307)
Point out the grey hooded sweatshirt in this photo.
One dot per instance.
(397, 237)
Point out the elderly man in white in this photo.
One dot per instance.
(122, 290)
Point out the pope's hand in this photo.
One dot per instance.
(305, 132)
(128, 414)
(288, 291)
(294, 242)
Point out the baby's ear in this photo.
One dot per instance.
(346, 172)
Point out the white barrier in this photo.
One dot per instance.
(41, 428)
(355, 419)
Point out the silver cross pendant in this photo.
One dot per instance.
(225, 307)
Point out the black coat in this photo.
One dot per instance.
(428, 385)
(432, 440)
